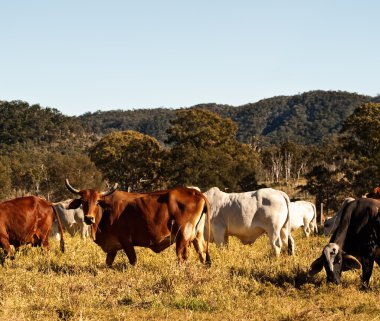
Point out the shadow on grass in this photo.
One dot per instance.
(65, 314)
(193, 304)
(118, 266)
(129, 302)
(68, 269)
(296, 277)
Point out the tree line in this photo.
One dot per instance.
(304, 118)
(200, 148)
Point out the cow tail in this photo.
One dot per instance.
(288, 223)
(61, 242)
(315, 219)
(208, 207)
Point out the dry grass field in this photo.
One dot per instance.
(244, 283)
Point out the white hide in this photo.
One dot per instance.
(72, 220)
(249, 215)
(303, 214)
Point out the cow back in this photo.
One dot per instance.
(22, 217)
(357, 223)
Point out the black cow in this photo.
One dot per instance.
(355, 243)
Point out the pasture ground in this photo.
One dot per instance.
(244, 283)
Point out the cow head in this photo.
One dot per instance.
(89, 199)
(335, 261)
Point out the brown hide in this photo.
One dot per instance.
(375, 193)
(154, 220)
(26, 220)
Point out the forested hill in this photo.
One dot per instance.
(23, 125)
(305, 118)
(153, 122)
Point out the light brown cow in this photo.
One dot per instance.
(122, 220)
(26, 220)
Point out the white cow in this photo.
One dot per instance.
(332, 223)
(72, 220)
(303, 214)
(249, 215)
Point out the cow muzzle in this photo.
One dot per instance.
(89, 220)
(332, 278)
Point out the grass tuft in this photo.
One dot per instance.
(193, 304)
(65, 314)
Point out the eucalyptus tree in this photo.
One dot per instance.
(204, 151)
(361, 141)
(130, 158)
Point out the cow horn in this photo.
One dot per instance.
(70, 188)
(110, 191)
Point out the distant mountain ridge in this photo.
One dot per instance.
(305, 118)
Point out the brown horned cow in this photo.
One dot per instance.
(26, 220)
(122, 220)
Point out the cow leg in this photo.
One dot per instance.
(219, 233)
(367, 267)
(182, 248)
(41, 238)
(45, 238)
(4, 243)
(83, 230)
(306, 230)
(110, 258)
(131, 253)
(291, 246)
(200, 247)
(275, 242)
(287, 240)
(55, 232)
(45, 242)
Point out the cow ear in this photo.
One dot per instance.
(350, 263)
(75, 204)
(102, 204)
(316, 266)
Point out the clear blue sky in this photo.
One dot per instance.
(80, 56)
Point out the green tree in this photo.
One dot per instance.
(272, 162)
(28, 170)
(204, 152)
(361, 141)
(5, 178)
(327, 185)
(362, 131)
(76, 167)
(38, 171)
(130, 158)
(24, 124)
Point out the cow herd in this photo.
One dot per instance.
(118, 220)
